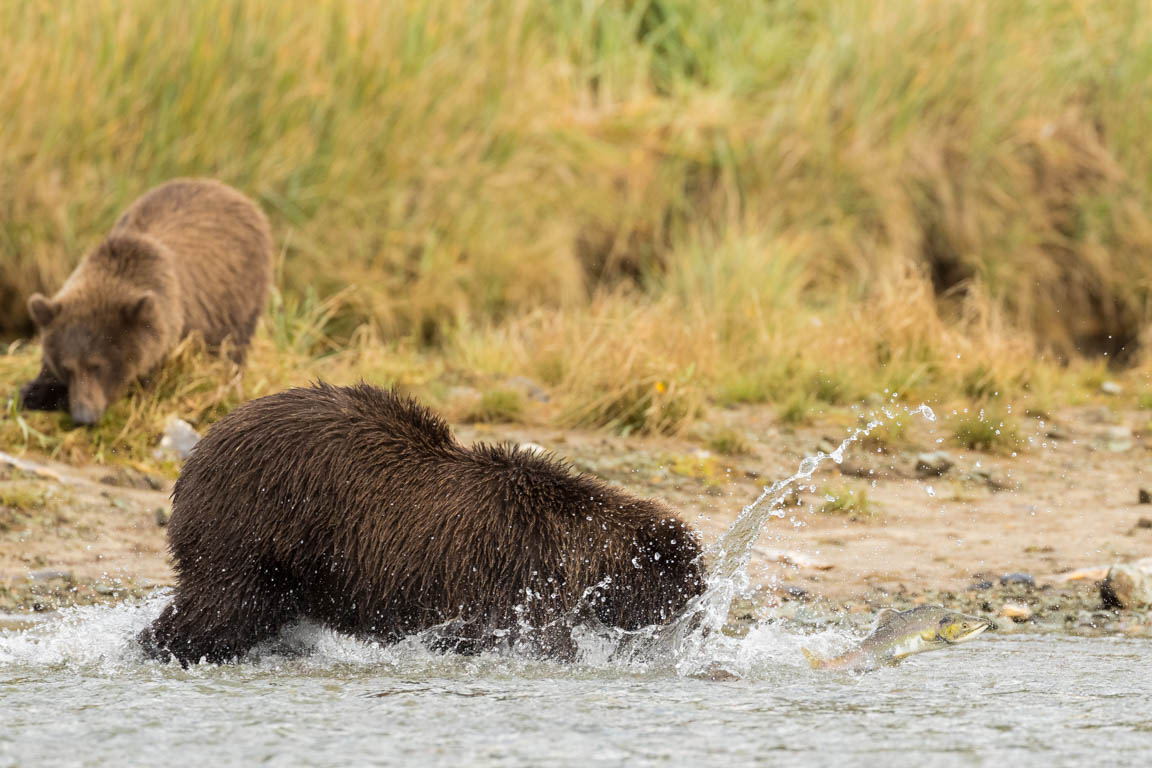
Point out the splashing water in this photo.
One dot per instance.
(694, 635)
(102, 639)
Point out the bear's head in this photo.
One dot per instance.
(96, 345)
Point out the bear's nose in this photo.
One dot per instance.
(85, 414)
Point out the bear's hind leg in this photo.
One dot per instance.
(219, 628)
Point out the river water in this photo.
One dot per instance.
(75, 691)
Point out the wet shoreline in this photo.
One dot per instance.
(1073, 608)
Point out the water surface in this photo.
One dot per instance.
(76, 691)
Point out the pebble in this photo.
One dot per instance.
(1144, 522)
(1110, 388)
(162, 517)
(528, 388)
(1025, 579)
(1117, 439)
(178, 441)
(1018, 612)
(933, 464)
(992, 482)
(50, 576)
(1127, 586)
(1144, 496)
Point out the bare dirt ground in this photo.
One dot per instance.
(1060, 510)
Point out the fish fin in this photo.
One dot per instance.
(884, 616)
(816, 661)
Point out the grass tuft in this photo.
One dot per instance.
(728, 442)
(986, 428)
(496, 406)
(850, 502)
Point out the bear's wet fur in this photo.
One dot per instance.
(356, 508)
(190, 256)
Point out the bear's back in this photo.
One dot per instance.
(220, 246)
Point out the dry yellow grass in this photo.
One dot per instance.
(643, 205)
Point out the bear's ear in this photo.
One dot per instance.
(139, 311)
(42, 309)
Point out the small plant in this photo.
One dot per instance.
(797, 410)
(23, 497)
(1144, 400)
(851, 502)
(891, 433)
(703, 468)
(986, 429)
(744, 388)
(497, 406)
(728, 442)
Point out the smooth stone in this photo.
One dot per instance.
(933, 464)
(528, 388)
(50, 576)
(1018, 578)
(1110, 388)
(1127, 586)
(1144, 496)
(1117, 439)
(179, 439)
(1018, 612)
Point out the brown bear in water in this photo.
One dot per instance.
(192, 255)
(356, 508)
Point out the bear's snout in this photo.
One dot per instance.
(86, 402)
(85, 414)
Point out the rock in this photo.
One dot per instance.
(162, 516)
(1144, 496)
(1127, 586)
(980, 586)
(1110, 388)
(1023, 579)
(1057, 433)
(50, 576)
(1144, 522)
(124, 477)
(826, 446)
(792, 557)
(796, 593)
(992, 482)
(933, 464)
(528, 388)
(850, 468)
(1018, 612)
(178, 441)
(1084, 574)
(1117, 439)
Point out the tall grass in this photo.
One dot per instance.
(643, 204)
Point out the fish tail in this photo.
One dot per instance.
(814, 660)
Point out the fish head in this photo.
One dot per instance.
(955, 628)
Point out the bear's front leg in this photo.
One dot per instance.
(44, 393)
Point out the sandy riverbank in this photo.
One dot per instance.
(1055, 514)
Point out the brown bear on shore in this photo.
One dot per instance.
(192, 255)
(356, 508)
